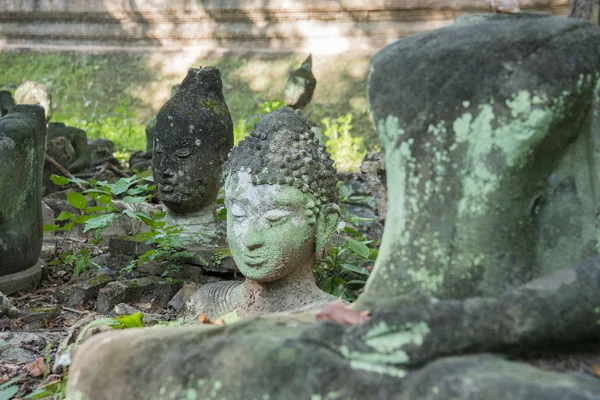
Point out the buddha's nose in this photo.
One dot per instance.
(253, 237)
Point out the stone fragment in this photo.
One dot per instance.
(83, 289)
(38, 317)
(47, 214)
(30, 92)
(24, 347)
(101, 151)
(78, 139)
(150, 289)
(182, 296)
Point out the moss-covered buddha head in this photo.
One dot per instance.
(280, 193)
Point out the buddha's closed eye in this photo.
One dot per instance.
(276, 215)
(183, 152)
(238, 212)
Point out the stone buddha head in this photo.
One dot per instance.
(193, 134)
(280, 193)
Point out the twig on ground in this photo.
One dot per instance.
(116, 170)
(99, 173)
(74, 310)
(63, 170)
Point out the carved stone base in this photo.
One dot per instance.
(22, 280)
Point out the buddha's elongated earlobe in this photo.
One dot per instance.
(327, 222)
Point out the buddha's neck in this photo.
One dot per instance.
(296, 285)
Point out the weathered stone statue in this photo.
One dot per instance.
(280, 193)
(78, 139)
(300, 85)
(22, 149)
(31, 92)
(193, 135)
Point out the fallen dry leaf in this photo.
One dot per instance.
(52, 378)
(341, 314)
(4, 378)
(597, 370)
(204, 319)
(36, 368)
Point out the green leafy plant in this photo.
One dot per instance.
(77, 261)
(167, 242)
(346, 150)
(344, 271)
(131, 192)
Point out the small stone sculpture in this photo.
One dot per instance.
(22, 148)
(193, 135)
(31, 92)
(300, 85)
(78, 139)
(280, 193)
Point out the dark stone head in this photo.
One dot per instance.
(193, 134)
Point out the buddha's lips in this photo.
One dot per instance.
(254, 261)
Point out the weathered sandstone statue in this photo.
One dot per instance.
(31, 92)
(280, 193)
(193, 135)
(433, 350)
(22, 149)
(78, 139)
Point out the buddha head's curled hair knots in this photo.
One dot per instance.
(282, 150)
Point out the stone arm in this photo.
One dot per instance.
(559, 308)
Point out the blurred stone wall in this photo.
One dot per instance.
(323, 26)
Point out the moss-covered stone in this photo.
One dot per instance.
(490, 174)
